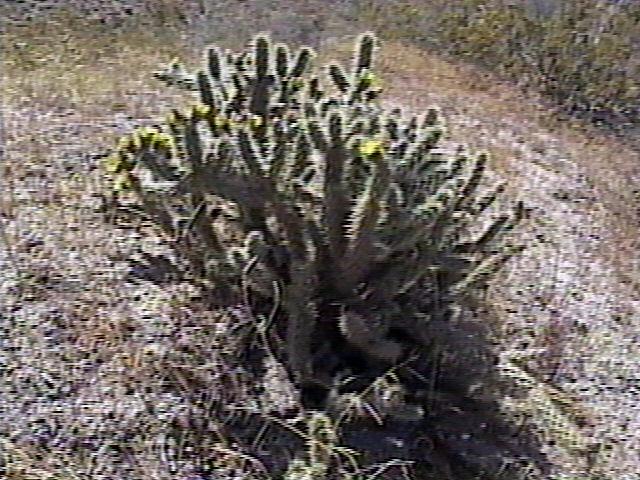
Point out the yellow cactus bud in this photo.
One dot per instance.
(151, 132)
(255, 121)
(220, 121)
(113, 163)
(371, 147)
(124, 143)
(123, 182)
(118, 162)
(165, 137)
(162, 141)
(211, 114)
(145, 136)
(144, 140)
(370, 80)
(136, 142)
(168, 142)
(200, 111)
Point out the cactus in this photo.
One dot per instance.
(337, 218)
(346, 207)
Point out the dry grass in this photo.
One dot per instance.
(65, 82)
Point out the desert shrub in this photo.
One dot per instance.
(353, 241)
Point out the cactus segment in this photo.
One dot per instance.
(339, 78)
(364, 55)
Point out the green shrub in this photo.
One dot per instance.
(339, 221)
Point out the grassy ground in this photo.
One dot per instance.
(72, 85)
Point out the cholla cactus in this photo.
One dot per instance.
(343, 208)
